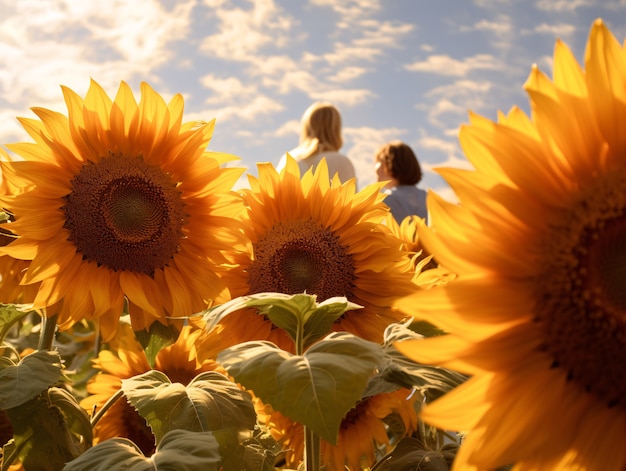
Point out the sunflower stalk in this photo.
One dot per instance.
(311, 439)
(311, 450)
(48, 329)
(107, 405)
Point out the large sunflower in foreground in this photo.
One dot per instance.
(538, 312)
(181, 362)
(121, 200)
(320, 237)
(363, 436)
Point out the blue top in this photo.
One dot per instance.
(406, 200)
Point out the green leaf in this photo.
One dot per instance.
(75, 416)
(411, 455)
(155, 338)
(256, 453)
(9, 315)
(42, 437)
(316, 389)
(285, 311)
(210, 402)
(319, 321)
(396, 370)
(180, 450)
(9, 454)
(32, 375)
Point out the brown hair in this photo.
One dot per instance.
(401, 162)
(320, 129)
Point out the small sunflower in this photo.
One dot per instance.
(121, 200)
(363, 435)
(181, 362)
(538, 312)
(320, 237)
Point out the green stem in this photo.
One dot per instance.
(48, 328)
(311, 450)
(107, 405)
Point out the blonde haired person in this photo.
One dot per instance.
(320, 137)
(397, 164)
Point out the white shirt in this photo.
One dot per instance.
(337, 163)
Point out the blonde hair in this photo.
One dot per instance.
(320, 130)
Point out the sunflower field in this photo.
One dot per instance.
(154, 318)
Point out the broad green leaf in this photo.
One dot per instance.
(316, 389)
(299, 315)
(180, 450)
(9, 315)
(319, 321)
(155, 338)
(42, 437)
(210, 402)
(255, 364)
(9, 454)
(396, 370)
(285, 311)
(75, 416)
(411, 455)
(256, 453)
(32, 375)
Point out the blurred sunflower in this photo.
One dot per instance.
(426, 271)
(121, 200)
(363, 436)
(11, 272)
(11, 269)
(538, 312)
(320, 237)
(180, 361)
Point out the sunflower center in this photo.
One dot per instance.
(298, 256)
(582, 292)
(125, 214)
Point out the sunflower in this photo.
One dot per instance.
(320, 237)
(426, 271)
(363, 434)
(120, 200)
(181, 362)
(538, 312)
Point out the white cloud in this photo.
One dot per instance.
(382, 33)
(290, 128)
(228, 90)
(347, 97)
(501, 26)
(248, 110)
(350, 10)
(561, 30)
(562, 5)
(445, 65)
(243, 33)
(348, 74)
(445, 146)
(347, 54)
(49, 43)
(456, 98)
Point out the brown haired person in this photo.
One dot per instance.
(320, 136)
(397, 164)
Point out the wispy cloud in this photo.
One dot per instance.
(50, 43)
(445, 65)
(561, 30)
(563, 5)
(243, 33)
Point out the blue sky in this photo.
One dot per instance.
(397, 69)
